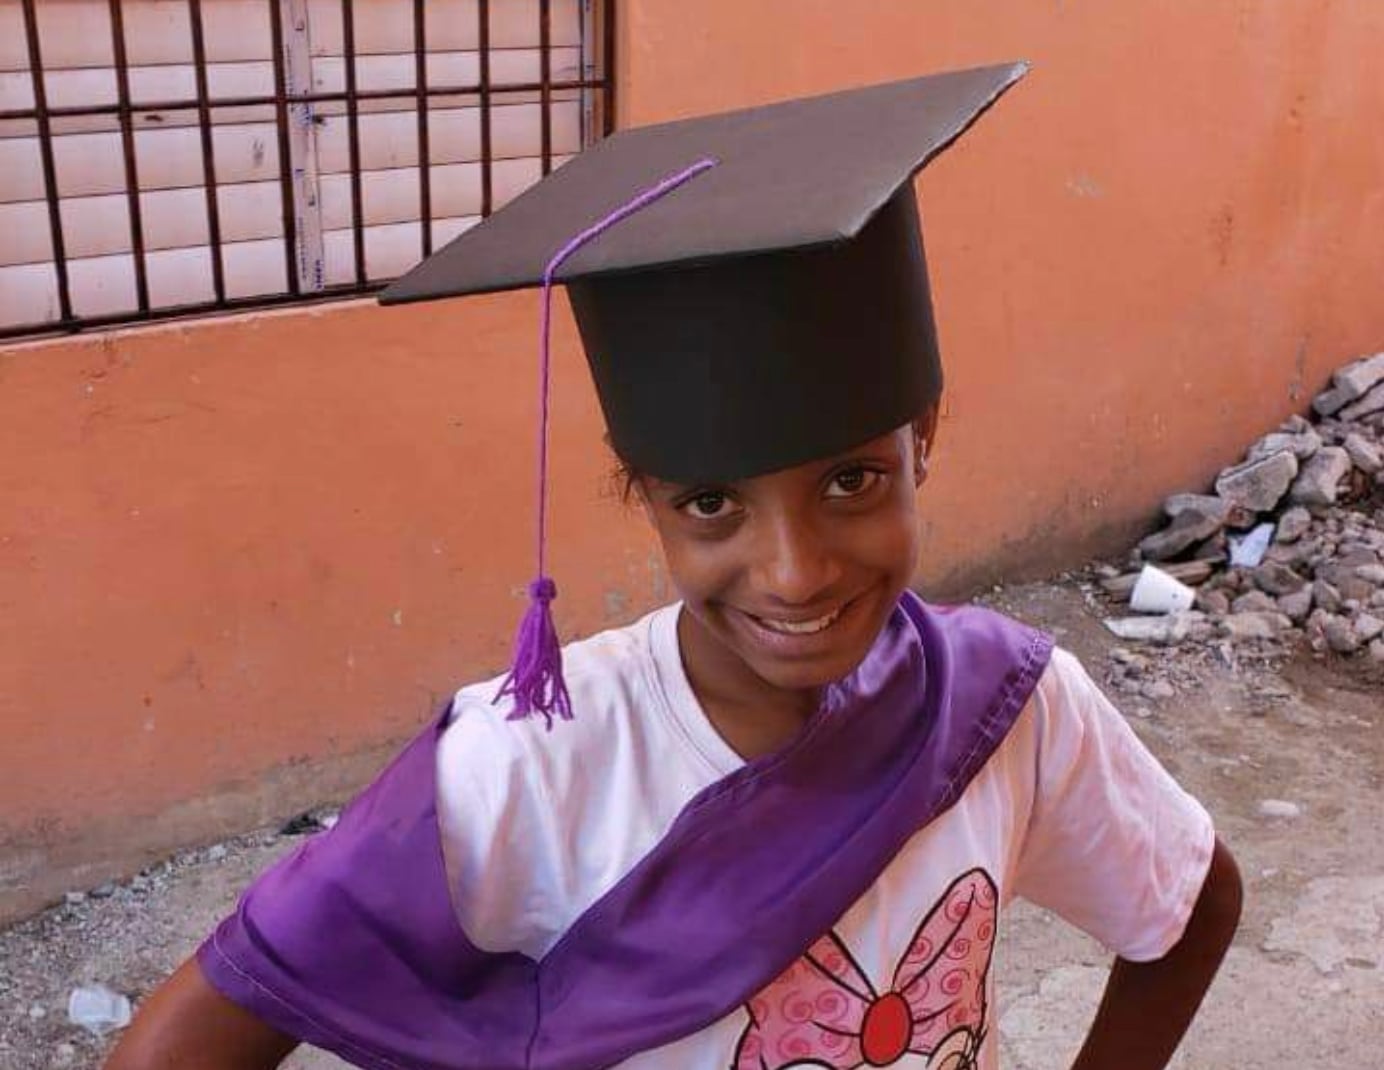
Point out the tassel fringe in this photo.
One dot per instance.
(535, 682)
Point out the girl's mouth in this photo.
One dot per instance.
(799, 627)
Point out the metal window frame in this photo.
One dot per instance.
(292, 102)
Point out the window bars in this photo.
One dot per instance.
(163, 158)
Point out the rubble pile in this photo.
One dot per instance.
(1290, 542)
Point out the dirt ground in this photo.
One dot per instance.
(1302, 986)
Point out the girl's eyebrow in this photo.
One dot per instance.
(674, 489)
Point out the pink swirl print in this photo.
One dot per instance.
(823, 1010)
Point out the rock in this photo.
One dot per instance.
(1354, 589)
(1254, 602)
(1369, 404)
(1296, 606)
(1341, 572)
(1340, 635)
(1201, 504)
(1158, 690)
(1215, 603)
(1293, 525)
(104, 891)
(1352, 557)
(1173, 628)
(1215, 550)
(216, 853)
(1331, 400)
(1320, 479)
(74, 899)
(1371, 574)
(1360, 375)
(1234, 580)
(1189, 527)
(1279, 808)
(1365, 454)
(1293, 554)
(1259, 484)
(1241, 518)
(300, 825)
(1355, 380)
(1301, 445)
(1277, 579)
(1367, 627)
(1377, 652)
(1254, 625)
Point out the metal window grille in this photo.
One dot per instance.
(163, 158)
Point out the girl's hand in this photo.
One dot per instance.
(1147, 1006)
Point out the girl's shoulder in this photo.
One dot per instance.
(582, 801)
(613, 678)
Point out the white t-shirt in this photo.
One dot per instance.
(1071, 812)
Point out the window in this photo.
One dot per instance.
(165, 157)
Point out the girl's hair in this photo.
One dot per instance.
(625, 477)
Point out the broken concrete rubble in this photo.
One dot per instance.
(1258, 484)
(1348, 383)
(1319, 481)
(1318, 488)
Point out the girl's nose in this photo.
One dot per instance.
(795, 565)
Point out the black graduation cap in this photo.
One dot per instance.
(771, 310)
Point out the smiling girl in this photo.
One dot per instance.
(773, 824)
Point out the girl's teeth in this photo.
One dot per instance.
(806, 627)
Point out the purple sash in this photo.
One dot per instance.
(351, 943)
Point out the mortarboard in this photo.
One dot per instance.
(776, 308)
(750, 287)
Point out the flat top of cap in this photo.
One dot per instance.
(798, 174)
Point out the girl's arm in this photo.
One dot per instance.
(188, 1025)
(1147, 1006)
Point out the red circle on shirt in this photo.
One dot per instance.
(887, 1030)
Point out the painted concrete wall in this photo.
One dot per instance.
(240, 559)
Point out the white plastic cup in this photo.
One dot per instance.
(98, 1010)
(1158, 592)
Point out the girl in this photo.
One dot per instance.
(771, 825)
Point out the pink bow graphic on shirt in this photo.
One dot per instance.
(823, 1011)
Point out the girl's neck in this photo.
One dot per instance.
(752, 715)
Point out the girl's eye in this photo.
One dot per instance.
(708, 505)
(852, 482)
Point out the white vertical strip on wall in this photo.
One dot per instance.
(302, 135)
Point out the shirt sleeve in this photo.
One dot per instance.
(1113, 844)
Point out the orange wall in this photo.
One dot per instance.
(239, 558)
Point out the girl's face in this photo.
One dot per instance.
(794, 573)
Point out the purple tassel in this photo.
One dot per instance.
(535, 681)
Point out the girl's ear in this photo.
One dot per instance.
(633, 489)
(641, 495)
(924, 432)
